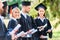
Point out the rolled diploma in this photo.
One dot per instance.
(29, 34)
(30, 31)
(19, 34)
(43, 27)
(15, 29)
(35, 30)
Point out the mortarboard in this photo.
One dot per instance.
(40, 6)
(26, 3)
(12, 6)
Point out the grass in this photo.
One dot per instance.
(56, 36)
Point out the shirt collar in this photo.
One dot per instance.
(24, 14)
(1, 17)
(13, 18)
(41, 19)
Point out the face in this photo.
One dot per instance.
(16, 14)
(27, 9)
(41, 11)
(5, 11)
(1, 7)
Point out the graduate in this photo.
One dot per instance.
(43, 24)
(26, 21)
(3, 29)
(13, 21)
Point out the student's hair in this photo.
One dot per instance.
(16, 8)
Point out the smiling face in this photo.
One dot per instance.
(41, 11)
(16, 13)
(26, 9)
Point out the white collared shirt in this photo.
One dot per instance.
(41, 19)
(13, 19)
(24, 14)
(2, 18)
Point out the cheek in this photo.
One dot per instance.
(17, 14)
(28, 9)
(41, 13)
(1, 10)
(14, 14)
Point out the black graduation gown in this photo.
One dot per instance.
(40, 23)
(3, 30)
(26, 24)
(11, 25)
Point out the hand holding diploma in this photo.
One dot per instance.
(35, 30)
(30, 31)
(13, 36)
(42, 27)
(21, 34)
(15, 29)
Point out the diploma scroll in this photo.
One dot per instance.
(15, 29)
(19, 34)
(32, 32)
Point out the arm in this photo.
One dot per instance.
(11, 25)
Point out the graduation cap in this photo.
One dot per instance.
(5, 4)
(12, 7)
(40, 6)
(26, 3)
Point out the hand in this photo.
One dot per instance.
(28, 32)
(41, 36)
(16, 37)
(13, 36)
(23, 35)
(49, 30)
(41, 28)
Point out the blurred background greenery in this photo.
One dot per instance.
(52, 13)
